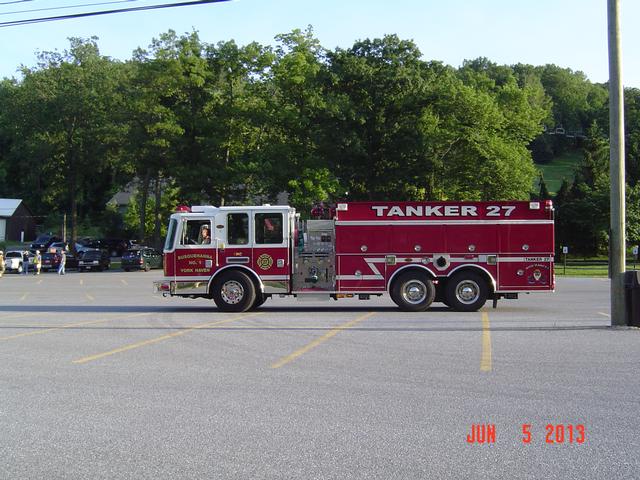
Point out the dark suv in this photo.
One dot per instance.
(43, 241)
(94, 259)
(115, 246)
(143, 258)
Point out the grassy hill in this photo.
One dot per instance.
(557, 169)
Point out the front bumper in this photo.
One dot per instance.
(187, 288)
(11, 266)
(164, 287)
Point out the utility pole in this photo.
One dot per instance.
(616, 166)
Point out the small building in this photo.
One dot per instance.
(16, 221)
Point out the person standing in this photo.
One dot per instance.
(37, 261)
(63, 261)
(25, 262)
(1, 263)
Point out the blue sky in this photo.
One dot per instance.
(568, 33)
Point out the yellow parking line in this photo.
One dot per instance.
(605, 314)
(89, 297)
(485, 359)
(124, 282)
(158, 339)
(24, 297)
(39, 282)
(81, 281)
(318, 341)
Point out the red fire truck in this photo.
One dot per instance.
(458, 253)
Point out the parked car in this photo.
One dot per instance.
(43, 241)
(115, 246)
(51, 260)
(142, 258)
(94, 260)
(85, 244)
(13, 261)
(57, 246)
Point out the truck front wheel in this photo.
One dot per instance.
(260, 299)
(413, 292)
(466, 292)
(234, 292)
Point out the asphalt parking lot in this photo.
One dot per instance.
(99, 378)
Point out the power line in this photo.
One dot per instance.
(15, 23)
(62, 8)
(15, 1)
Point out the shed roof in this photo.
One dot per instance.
(8, 206)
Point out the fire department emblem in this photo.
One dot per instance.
(265, 261)
(537, 274)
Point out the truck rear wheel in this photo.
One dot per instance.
(466, 292)
(413, 292)
(234, 292)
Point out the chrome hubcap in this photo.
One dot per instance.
(414, 292)
(232, 292)
(467, 291)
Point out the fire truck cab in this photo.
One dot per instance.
(458, 253)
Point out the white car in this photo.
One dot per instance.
(13, 261)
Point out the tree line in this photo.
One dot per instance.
(226, 124)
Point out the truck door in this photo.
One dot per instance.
(233, 229)
(271, 248)
(195, 252)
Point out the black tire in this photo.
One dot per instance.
(234, 292)
(466, 291)
(413, 292)
(126, 269)
(260, 299)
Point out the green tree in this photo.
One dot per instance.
(543, 193)
(312, 186)
(378, 91)
(295, 101)
(164, 208)
(582, 219)
(154, 130)
(576, 101)
(68, 138)
(632, 134)
(239, 109)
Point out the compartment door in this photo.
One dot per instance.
(525, 273)
(361, 273)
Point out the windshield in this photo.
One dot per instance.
(14, 255)
(171, 233)
(132, 253)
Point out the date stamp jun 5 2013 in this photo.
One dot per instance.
(552, 434)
